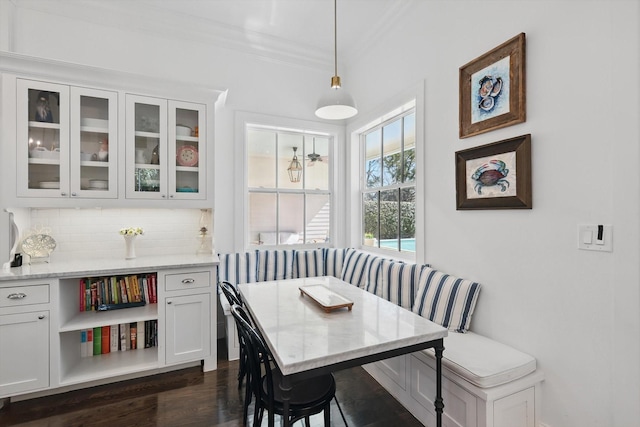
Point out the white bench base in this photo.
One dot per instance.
(411, 380)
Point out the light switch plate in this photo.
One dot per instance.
(588, 238)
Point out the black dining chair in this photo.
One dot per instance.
(234, 298)
(308, 397)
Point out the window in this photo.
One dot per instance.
(289, 186)
(389, 184)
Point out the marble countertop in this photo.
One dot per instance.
(302, 336)
(99, 267)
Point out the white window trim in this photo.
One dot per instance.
(241, 177)
(392, 107)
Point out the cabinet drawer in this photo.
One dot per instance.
(24, 295)
(192, 280)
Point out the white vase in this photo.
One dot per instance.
(130, 247)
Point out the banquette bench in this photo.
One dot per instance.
(485, 383)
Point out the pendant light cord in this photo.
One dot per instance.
(335, 36)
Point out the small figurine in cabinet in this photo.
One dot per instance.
(103, 153)
(43, 110)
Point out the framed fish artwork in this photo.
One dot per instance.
(492, 89)
(495, 176)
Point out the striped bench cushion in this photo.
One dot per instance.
(238, 267)
(333, 261)
(446, 300)
(275, 264)
(308, 263)
(400, 282)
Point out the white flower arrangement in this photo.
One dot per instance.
(131, 231)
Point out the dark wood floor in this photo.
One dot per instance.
(191, 398)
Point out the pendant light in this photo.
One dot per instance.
(295, 168)
(336, 104)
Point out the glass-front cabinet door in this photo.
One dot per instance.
(43, 139)
(146, 148)
(93, 161)
(187, 150)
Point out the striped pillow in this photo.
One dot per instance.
(374, 275)
(308, 263)
(354, 269)
(333, 261)
(400, 282)
(238, 267)
(275, 264)
(446, 300)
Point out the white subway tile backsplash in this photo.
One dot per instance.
(94, 233)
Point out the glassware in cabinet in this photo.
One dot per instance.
(146, 147)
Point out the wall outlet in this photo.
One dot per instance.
(597, 237)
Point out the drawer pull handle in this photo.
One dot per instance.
(187, 281)
(19, 295)
(41, 316)
(169, 302)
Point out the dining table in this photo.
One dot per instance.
(318, 325)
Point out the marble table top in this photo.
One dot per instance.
(302, 336)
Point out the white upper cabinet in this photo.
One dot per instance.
(94, 143)
(63, 135)
(42, 139)
(165, 149)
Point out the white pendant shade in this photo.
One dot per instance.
(336, 105)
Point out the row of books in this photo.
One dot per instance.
(116, 290)
(122, 337)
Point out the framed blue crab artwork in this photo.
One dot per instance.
(492, 89)
(495, 176)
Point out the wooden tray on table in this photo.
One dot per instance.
(325, 297)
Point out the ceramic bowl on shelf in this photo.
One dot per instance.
(98, 184)
(50, 185)
(85, 157)
(182, 130)
(43, 153)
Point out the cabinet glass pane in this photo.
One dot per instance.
(94, 143)
(147, 148)
(187, 146)
(44, 139)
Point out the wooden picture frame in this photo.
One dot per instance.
(493, 89)
(495, 176)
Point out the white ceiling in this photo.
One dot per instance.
(296, 31)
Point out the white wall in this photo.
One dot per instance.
(577, 312)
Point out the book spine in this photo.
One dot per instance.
(154, 295)
(141, 335)
(97, 341)
(83, 339)
(82, 295)
(123, 291)
(88, 349)
(133, 329)
(114, 340)
(87, 295)
(106, 339)
(123, 337)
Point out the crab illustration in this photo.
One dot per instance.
(490, 174)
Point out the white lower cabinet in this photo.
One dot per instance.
(24, 358)
(188, 325)
(24, 337)
(45, 328)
